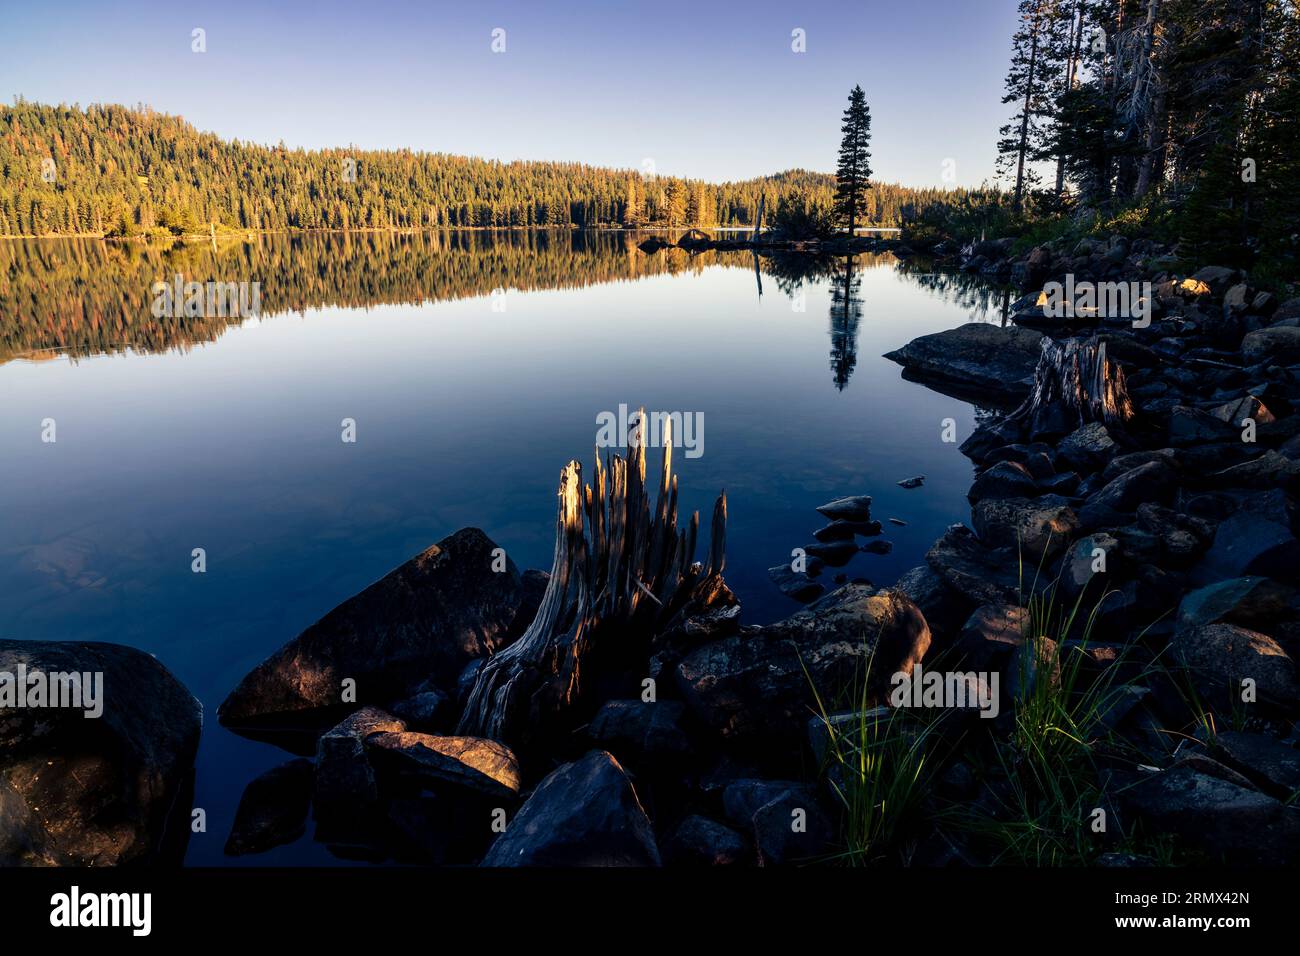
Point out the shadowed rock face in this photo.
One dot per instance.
(586, 813)
(756, 686)
(78, 791)
(975, 358)
(425, 620)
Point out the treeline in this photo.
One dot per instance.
(118, 171)
(1185, 109)
(85, 297)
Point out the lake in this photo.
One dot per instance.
(474, 366)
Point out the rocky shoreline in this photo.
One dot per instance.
(1127, 581)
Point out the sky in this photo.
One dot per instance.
(703, 89)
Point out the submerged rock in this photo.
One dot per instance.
(95, 791)
(795, 584)
(585, 813)
(426, 619)
(273, 809)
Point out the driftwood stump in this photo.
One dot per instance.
(1075, 384)
(622, 573)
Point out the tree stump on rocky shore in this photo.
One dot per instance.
(621, 574)
(1075, 384)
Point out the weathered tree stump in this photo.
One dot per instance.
(621, 574)
(1074, 384)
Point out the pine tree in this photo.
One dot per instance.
(1027, 85)
(853, 174)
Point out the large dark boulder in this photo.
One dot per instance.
(976, 358)
(1216, 816)
(1035, 527)
(758, 685)
(95, 791)
(585, 813)
(425, 620)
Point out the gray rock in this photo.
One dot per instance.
(1270, 764)
(1256, 540)
(1249, 601)
(944, 608)
(1152, 482)
(978, 356)
(759, 685)
(585, 813)
(345, 789)
(427, 710)
(1191, 426)
(1217, 817)
(1037, 527)
(1006, 479)
(991, 635)
(1220, 656)
(845, 530)
(1087, 449)
(852, 508)
(981, 575)
(1277, 344)
(699, 841)
(795, 584)
(640, 727)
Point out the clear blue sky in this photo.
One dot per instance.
(705, 89)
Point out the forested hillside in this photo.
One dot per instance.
(122, 171)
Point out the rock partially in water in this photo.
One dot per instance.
(852, 508)
(426, 619)
(96, 791)
(976, 357)
(585, 813)
(273, 809)
(795, 584)
(481, 766)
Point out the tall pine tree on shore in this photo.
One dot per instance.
(853, 174)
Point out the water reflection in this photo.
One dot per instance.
(85, 297)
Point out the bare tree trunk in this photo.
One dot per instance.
(1075, 384)
(622, 573)
(1024, 118)
(1155, 105)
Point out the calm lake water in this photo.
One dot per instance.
(474, 366)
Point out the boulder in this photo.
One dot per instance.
(78, 790)
(1218, 817)
(473, 764)
(1248, 601)
(981, 575)
(795, 584)
(1270, 764)
(1269, 470)
(1277, 344)
(944, 608)
(852, 508)
(1221, 656)
(758, 686)
(1152, 482)
(976, 357)
(585, 813)
(345, 789)
(1257, 539)
(1087, 449)
(699, 841)
(1191, 426)
(273, 809)
(638, 727)
(1037, 527)
(991, 635)
(426, 619)
(1006, 479)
